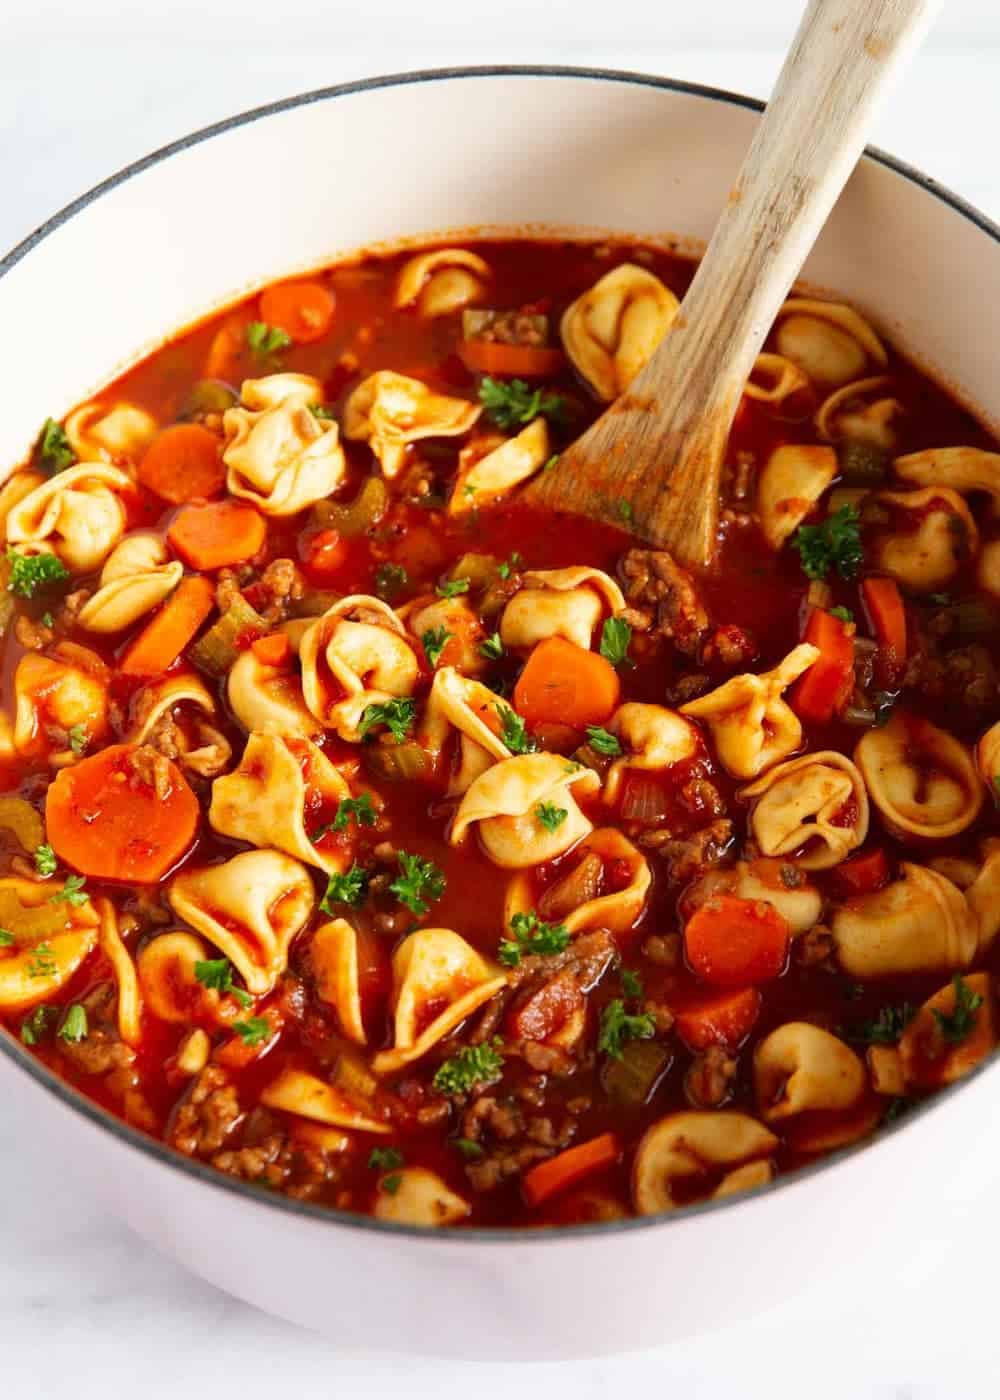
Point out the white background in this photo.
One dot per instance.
(86, 1310)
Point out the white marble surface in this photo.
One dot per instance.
(86, 1309)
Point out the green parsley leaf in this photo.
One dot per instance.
(74, 1026)
(547, 467)
(511, 403)
(390, 580)
(54, 453)
(419, 880)
(475, 1064)
(391, 1184)
(38, 1024)
(452, 587)
(468, 490)
(29, 572)
(617, 1027)
(551, 816)
(254, 1031)
(77, 735)
(397, 715)
(631, 983)
(217, 974)
(835, 543)
(351, 887)
(509, 565)
(513, 731)
(940, 600)
(360, 808)
(6, 938)
(531, 936)
(466, 1148)
(615, 637)
(48, 620)
(434, 641)
(42, 963)
(266, 341)
(887, 1027)
(602, 741)
(492, 648)
(72, 892)
(957, 1024)
(45, 861)
(385, 1159)
(322, 411)
(627, 513)
(842, 614)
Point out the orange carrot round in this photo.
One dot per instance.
(215, 535)
(104, 818)
(165, 636)
(183, 463)
(273, 650)
(303, 310)
(726, 1019)
(568, 1167)
(563, 684)
(516, 361)
(736, 942)
(325, 556)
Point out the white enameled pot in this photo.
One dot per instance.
(298, 184)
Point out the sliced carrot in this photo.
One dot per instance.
(563, 684)
(228, 345)
(162, 640)
(726, 1019)
(516, 361)
(238, 1053)
(105, 820)
(559, 1172)
(273, 650)
(826, 687)
(303, 310)
(864, 873)
(324, 556)
(218, 534)
(736, 942)
(183, 463)
(886, 614)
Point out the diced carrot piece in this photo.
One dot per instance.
(886, 614)
(826, 687)
(162, 640)
(273, 650)
(238, 1053)
(324, 556)
(228, 345)
(515, 361)
(736, 942)
(183, 463)
(720, 1020)
(568, 1167)
(563, 684)
(863, 873)
(216, 535)
(303, 310)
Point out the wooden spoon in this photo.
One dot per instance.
(658, 450)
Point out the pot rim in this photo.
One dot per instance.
(158, 1150)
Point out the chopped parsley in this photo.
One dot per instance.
(38, 1024)
(266, 341)
(77, 735)
(42, 963)
(54, 453)
(509, 565)
(74, 1026)
(254, 1030)
(452, 587)
(434, 641)
(834, 544)
(475, 1064)
(615, 637)
(551, 816)
(385, 1159)
(602, 741)
(957, 1024)
(217, 974)
(512, 403)
(351, 887)
(391, 1183)
(467, 1148)
(322, 411)
(45, 861)
(29, 572)
(492, 648)
(617, 1027)
(72, 892)
(360, 808)
(551, 462)
(419, 881)
(531, 936)
(390, 580)
(842, 614)
(48, 620)
(513, 731)
(627, 514)
(397, 715)
(887, 1026)
(631, 983)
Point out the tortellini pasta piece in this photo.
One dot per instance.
(963, 469)
(794, 477)
(279, 455)
(36, 966)
(502, 803)
(982, 894)
(454, 617)
(774, 379)
(612, 330)
(15, 489)
(785, 887)
(441, 282)
(654, 739)
(250, 907)
(279, 784)
(438, 980)
(751, 724)
(569, 603)
(919, 923)
(54, 694)
(77, 515)
(97, 433)
(814, 808)
(928, 555)
(333, 950)
(685, 1148)
(800, 1067)
(420, 1198)
(928, 1059)
(460, 706)
(183, 702)
(269, 698)
(483, 478)
(584, 886)
(830, 342)
(854, 414)
(357, 654)
(389, 411)
(170, 988)
(308, 1096)
(129, 995)
(137, 577)
(922, 779)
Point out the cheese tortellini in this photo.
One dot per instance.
(922, 779)
(569, 603)
(441, 282)
(801, 1067)
(184, 703)
(420, 1197)
(170, 986)
(654, 739)
(774, 379)
(98, 433)
(927, 1058)
(127, 981)
(854, 413)
(503, 802)
(933, 537)
(65, 690)
(389, 411)
(308, 1096)
(919, 923)
(333, 951)
(962, 469)
(686, 1148)
(751, 724)
(269, 698)
(612, 330)
(137, 577)
(455, 617)
(77, 515)
(250, 907)
(279, 455)
(830, 342)
(814, 808)
(49, 946)
(485, 476)
(461, 707)
(357, 654)
(794, 477)
(579, 898)
(438, 981)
